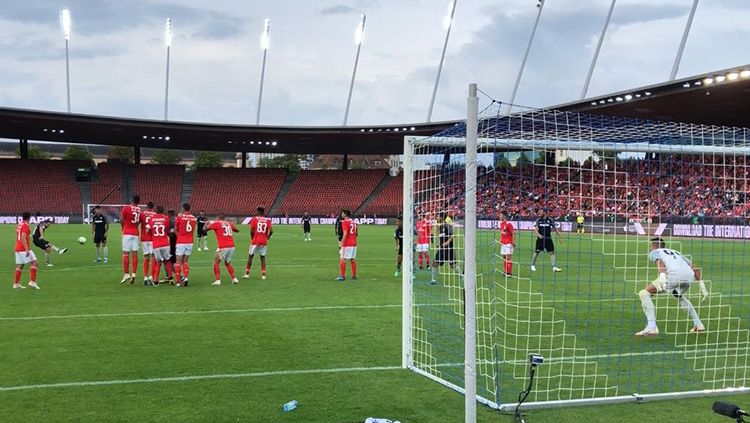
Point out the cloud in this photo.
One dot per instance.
(340, 9)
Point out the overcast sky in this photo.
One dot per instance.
(118, 55)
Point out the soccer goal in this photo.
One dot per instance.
(610, 184)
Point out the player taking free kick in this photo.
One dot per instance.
(676, 274)
(225, 251)
(260, 232)
(129, 219)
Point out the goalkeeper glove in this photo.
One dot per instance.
(660, 283)
(703, 290)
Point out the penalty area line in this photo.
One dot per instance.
(218, 311)
(198, 377)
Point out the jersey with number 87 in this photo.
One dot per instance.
(185, 227)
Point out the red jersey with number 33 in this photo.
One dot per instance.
(185, 227)
(349, 227)
(160, 230)
(22, 232)
(260, 227)
(506, 233)
(130, 218)
(146, 215)
(224, 233)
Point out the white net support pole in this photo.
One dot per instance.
(470, 269)
(408, 258)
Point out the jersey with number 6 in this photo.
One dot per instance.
(349, 227)
(185, 227)
(224, 233)
(130, 218)
(260, 227)
(160, 230)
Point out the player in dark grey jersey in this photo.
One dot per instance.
(99, 230)
(306, 220)
(200, 231)
(543, 229)
(46, 246)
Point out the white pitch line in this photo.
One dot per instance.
(219, 311)
(197, 377)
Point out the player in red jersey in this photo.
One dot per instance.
(24, 254)
(424, 227)
(225, 251)
(260, 232)
(129, 219)
(348, 245)
(147, 242)
(506, 243)
(158, 225)
(185, 225)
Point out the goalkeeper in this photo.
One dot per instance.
(676, 274)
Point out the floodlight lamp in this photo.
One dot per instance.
(745, 74)
(168, 32)
(628, 97)
(732, 76)
(448, 19)
(65, 22)
(708, 81)
(265, 38)
(720, 78)
(360, 32)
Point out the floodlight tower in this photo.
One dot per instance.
(540, 7)
(598, 49)
(358, 37)
(264, 42)
(447, 24)
(168, 43)
(65, 24)
(683, 41)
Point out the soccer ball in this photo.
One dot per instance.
(81, 240)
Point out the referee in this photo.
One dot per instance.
(99, 229)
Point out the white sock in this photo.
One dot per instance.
(54, 248)
(688, 306)
(105, 252)
(98, 253)
(46, 257)
(434, 273)
(648, 308)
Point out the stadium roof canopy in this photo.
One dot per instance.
(714, 98)
(34, 125)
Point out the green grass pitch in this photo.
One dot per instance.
(237, 353)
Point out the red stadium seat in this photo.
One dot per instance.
(323, 192)
(235, 191)
(43, 186)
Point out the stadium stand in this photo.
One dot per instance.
(391, 199)
(161, 184)
(109, 177)
(323, 192)
(45, 186)
(235, 191)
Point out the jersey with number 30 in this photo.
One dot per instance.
(160, 230)
(260, 226)
(678, 266)
(349, 227)
(130, 218)
(224, 233)
(185, 227)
